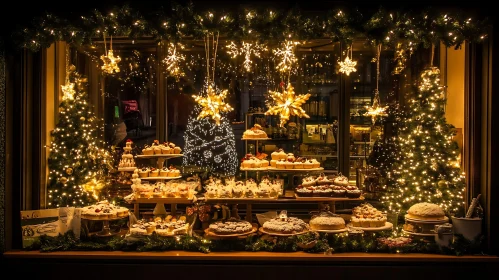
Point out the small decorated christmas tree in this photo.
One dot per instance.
(209, 145)
(429, 169)
(78, 162)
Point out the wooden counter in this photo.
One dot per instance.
(244, 265)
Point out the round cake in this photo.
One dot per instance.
(425, 211)
(327, 223)
(231, 226)
(289, 225)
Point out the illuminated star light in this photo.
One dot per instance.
(287, 56)
(376, 110)
(247, 49)
(173, 60)
(110, 65)
(69, 91)
(287, 104)
(213, 104)
(347, 66)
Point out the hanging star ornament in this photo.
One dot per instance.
(376, 110)
(110, 61)
(347, 66)
(286, 56)
(247, 50)
(288, 103)
(68, 91)
(213, 104)
(172, 61)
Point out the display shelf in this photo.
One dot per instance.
(255, 169)
(326, 156)
(326, 198)
(241, 200)
(160, 178)
(166, 200)
(295, 170)
(256, 139)
(330, 231)
(160, 156)
(127, 169)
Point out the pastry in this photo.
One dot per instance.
(304, 191)
(309, 181)
(273, 163)
(298, 165)
(165, 150)
(144, 172)
(153, 172)
(164, 172)
(127, 157)
(339, 193)
(255, 132)
(285, 225)
(291, 157)
(177, 150)
(103, 210)
(326, 222)
(425, 211)
(340, 180)
(281, 164)
(231, 226)
(353, 193)
(308, 164)
(147, 150)
(368, 216)
(289, 165)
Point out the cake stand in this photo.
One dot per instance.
(106, 230)
(210, 234)
(387, 226)
(262, 230)
(330, 231)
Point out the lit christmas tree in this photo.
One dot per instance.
(210, 146)
(429, 169)
(77, 162)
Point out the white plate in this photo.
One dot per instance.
(160, 178)
(127, 169)
(388, 226)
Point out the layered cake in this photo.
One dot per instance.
(285, 225)
(104, 210)
(127, 156)
(425, 211)
(327, 221)
(231, 226)
(365, 215)
(256, 132)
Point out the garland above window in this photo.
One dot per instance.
(182, 21)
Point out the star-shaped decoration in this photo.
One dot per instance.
(69, 91)
(376, 110)
(110, 65)
(347, 66)
(213, 104)
(172, 61)
(288, 103)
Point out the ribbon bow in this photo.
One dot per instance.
(202, 211)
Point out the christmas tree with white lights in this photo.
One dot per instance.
(210, 146)
(78, 163)
(429, 168)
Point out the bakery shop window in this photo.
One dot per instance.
(211, 137)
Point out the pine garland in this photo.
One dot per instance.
(182, 21)
(309, 242)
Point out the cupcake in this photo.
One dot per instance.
(264, 163)
(315, 163)
(175, 173)
(157, 150)
(283, 155)
(290, 157)
(144, 172)
(275, 155)
(355, 222)
(165, 150)
(164, 172)
(147, 150)
(154, 172)
(308, 164)
(150, 227)
(341, 181)
(177, 150)
(289, 165)
(298, 165)
(353, 193)
(339, 193)
(281, 164)
(273, 163)
(304, 191)
(365, 222)
(309, 181)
